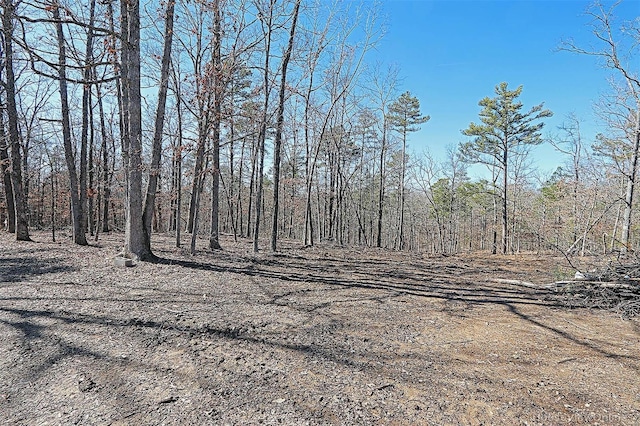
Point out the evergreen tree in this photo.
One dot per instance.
(504, 128)
(404, 116)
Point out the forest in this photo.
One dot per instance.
(267, 120)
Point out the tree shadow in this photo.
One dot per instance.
(16, 269)
(30, 331)
(571, 338)
(450, 284)
(425, 281)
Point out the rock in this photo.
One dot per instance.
(122, 261)
(168, 399)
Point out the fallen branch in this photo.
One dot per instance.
(516, 282)
(622, 297)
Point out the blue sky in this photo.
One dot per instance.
(453, 53)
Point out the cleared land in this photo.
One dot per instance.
(316, 336)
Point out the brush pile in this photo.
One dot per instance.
(615, 287)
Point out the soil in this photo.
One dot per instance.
(317, 336)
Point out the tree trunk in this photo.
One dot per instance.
(156, 150)
(91, 170)
(630, 192)
(383, 152)
(6, 177)
(279, 125)
(106, 189)
(79, 236)
(198, 184)
(494, 246)
(177, 168)
(252, 184)
(263, 128)
(135, 239)
(505, 207)
(19, 201)
(214, 238)
(239, 212)
(198, 173)
(402, 195)
(308, 220)
(86, 121)
(53, 204)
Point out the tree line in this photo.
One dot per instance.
(266, 119)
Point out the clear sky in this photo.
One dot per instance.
(452, 53)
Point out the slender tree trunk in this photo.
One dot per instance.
(204, 101)
(263, 128)
(402, 195)
(239, 212)
(79, 235)
(494, 246)
(195, 198)
(194, 189)
(279, 126)
(252, 185)
(25, 139)
(86, 121)
(198, 173)
(198, 182)
(576, 183)
(176, 183)
(505, 207)
(6, 176)
(614, 231)
(231, 197)
(625, 238)
(383, 152)
(106, 187)
(308, 220)
(156, 150)
(331, 209)
(53, 205)
(91, 195)
(214, 237)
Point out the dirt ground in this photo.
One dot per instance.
(315, 336)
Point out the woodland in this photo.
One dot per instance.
(265, 119)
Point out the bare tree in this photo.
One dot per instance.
(176, 169)
(87, 120)
(79, 235)
(156, 150)
(280, 124)
(617, 48)
(571, 144)
(267, 22)
(384, 84)
(343, 70)
(19, 200)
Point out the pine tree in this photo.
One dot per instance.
(504, 127)
(404, 116)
